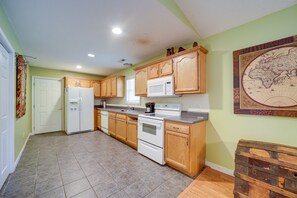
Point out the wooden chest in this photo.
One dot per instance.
(265, 170)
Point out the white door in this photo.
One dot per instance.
(86, 108)
(48, 105)
(4, 104)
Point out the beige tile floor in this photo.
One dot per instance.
(89, 165)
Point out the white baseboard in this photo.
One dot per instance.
(220, 168)
(21, 153)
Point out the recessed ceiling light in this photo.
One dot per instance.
(78, 66)
(91, 55)
(116, 30)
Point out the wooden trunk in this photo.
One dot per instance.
(265, 170)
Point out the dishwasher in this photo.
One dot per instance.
(104, 121)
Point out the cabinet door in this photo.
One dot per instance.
(112, 126)
(177, 150)
(103, 88)
(140, 82)
(95, 119)
(165, 68)
(97, 88)
(153, 71)
(132, 134)
(108, 88)
(99, 120)
(121, 130)
(85, 83)
(71, 82)
(186, 73)
(114, 86)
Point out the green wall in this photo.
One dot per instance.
(22, 127)
(225, 129)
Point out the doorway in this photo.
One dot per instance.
(7, 108)
(47, 105)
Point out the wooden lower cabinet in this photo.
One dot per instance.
(185, 146)
(121, 130)
(132, 134)
(99, 119)
(112, 124)
(95, 119)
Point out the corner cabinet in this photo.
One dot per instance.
(140, 82)
(185, 146)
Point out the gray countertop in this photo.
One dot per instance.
(185, 117)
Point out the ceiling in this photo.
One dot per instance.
(60, 33)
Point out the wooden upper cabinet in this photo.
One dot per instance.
(153, 71)
(77, 82)
(165, 68)
(113, 86)
(140, 82)
(97, 87)
(103, 88)
(189, 73)
(108, 87)
(84, 83)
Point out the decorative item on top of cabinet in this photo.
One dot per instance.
(121, 127)
(185, 146)
(97, 88)
(132, 135)
(112, 124)
(140, 82)
(190, 73)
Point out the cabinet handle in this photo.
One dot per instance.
(177, 128)
(187, 141)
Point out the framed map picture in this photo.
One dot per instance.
(265, 79)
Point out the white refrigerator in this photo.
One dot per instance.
(79, 114)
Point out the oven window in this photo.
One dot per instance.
(148, 128)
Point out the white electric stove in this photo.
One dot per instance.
(151, 130)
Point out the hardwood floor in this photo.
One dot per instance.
(210, 183)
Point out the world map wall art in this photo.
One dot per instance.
(265, 79)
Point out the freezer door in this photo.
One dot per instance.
(86, 109)
(72, 109)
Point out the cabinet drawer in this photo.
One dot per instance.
(111, 115)
(178, 127)
(121, 116)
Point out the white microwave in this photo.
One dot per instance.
(161, 87)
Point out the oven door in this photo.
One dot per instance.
(151, 131)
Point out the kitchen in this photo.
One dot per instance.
(201, 129)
